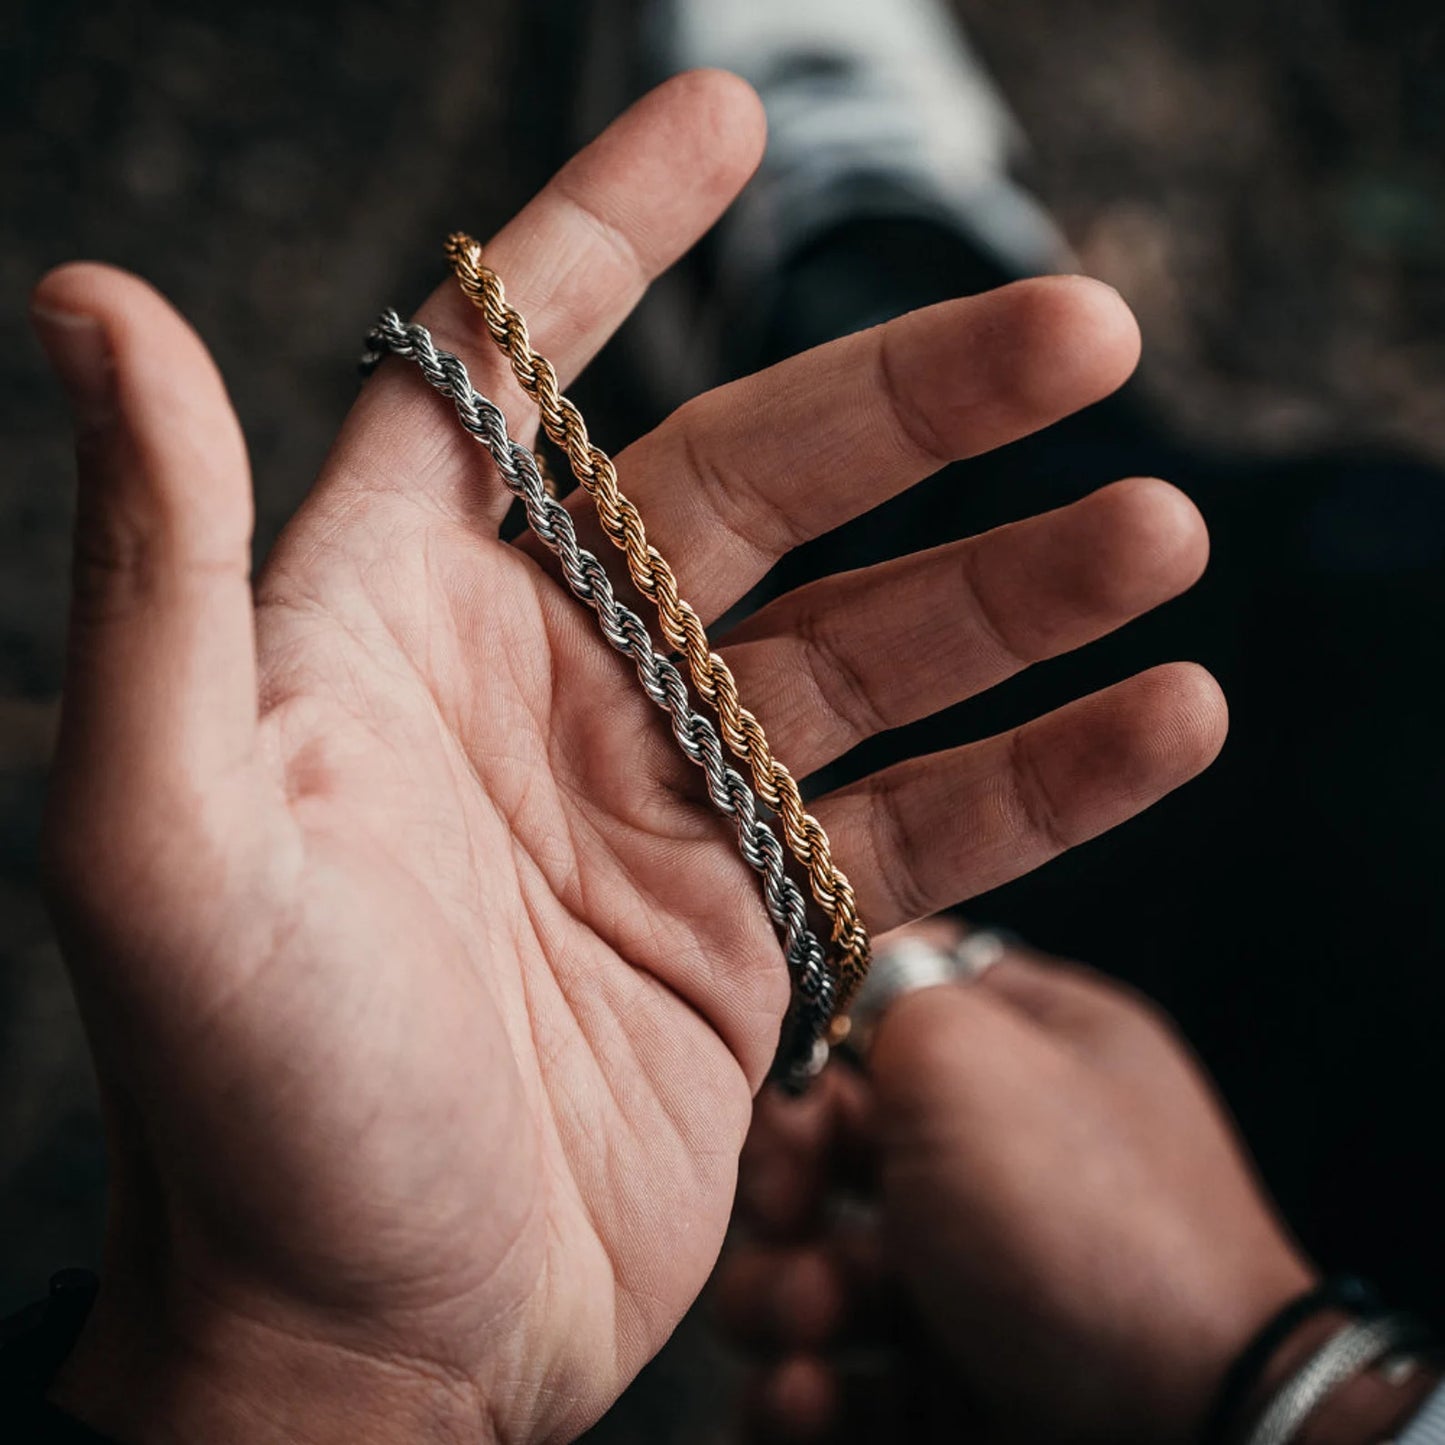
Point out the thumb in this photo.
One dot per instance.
(159, 703)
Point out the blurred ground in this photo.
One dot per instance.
(1264, 183)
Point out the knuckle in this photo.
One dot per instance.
(998, 631)
(1122, 1008)
(916, 430)
(123, 560)
(746, 510)
(1140, 1012)
(616, 241)
(899, 859)
(113, 564)
(842, 686)
(1031, 799)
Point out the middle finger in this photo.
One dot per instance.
(736, 478)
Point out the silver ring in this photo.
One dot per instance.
(910, 964)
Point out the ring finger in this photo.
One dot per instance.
(835, 662)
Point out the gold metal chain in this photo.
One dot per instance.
(681, 626)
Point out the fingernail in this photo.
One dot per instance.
(80, 354)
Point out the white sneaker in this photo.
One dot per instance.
(855, 89)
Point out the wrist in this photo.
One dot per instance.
(202, 1373)
(1367, 1409)
(1370, 1409)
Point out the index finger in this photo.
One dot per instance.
(576, 260)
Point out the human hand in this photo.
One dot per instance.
(427, 996)
(1069, 1244)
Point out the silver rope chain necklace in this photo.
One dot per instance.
(802, 1051)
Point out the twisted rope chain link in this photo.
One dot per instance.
(660, 679)
(681, 626)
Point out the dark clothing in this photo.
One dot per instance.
(1287, 907)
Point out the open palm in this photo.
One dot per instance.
(427, 993)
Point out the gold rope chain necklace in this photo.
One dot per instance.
(681, 626)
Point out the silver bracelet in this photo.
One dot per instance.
(1428, 1425)
(803, 1049)
(1353, 1350)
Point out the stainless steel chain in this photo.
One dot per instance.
(814, 985)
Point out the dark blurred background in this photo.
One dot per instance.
(1265, 184)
